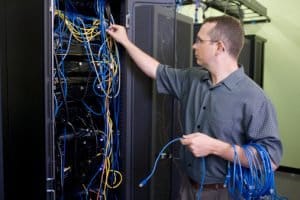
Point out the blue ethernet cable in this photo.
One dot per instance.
(144, 181)
(202, 179)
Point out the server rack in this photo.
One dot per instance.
(154, 27)
(86, 86)
(2, 44)
(23, 98)
(252, 57)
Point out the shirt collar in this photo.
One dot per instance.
(206, 76)
(231, 80)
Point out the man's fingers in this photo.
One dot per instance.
(188, 136)
(112, 28)
(186, 141)
(183, 141)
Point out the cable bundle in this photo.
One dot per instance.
(254, 182)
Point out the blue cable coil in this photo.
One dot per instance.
(253, 182)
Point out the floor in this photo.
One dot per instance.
(288, 185)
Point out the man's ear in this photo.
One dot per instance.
(220, 47)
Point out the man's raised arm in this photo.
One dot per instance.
(145, 62)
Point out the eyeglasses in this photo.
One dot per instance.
(199, 40)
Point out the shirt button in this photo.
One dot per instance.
(189, 165)
(198, 126)
(204, 107)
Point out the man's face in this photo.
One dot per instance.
(203, 46)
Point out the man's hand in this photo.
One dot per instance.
(119, 33)
(144, 61)
(198, 143)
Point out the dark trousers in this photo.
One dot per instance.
(188, 192)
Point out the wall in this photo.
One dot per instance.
(282, 68)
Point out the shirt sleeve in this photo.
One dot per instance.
(170, 80)
(263, 129)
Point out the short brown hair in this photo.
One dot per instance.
(230, 31)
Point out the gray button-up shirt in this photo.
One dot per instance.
(235, 110)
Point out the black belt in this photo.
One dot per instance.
(212, 186)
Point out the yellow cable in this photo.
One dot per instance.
(78, 32)
(115, 185)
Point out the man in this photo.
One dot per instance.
(221, 105)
